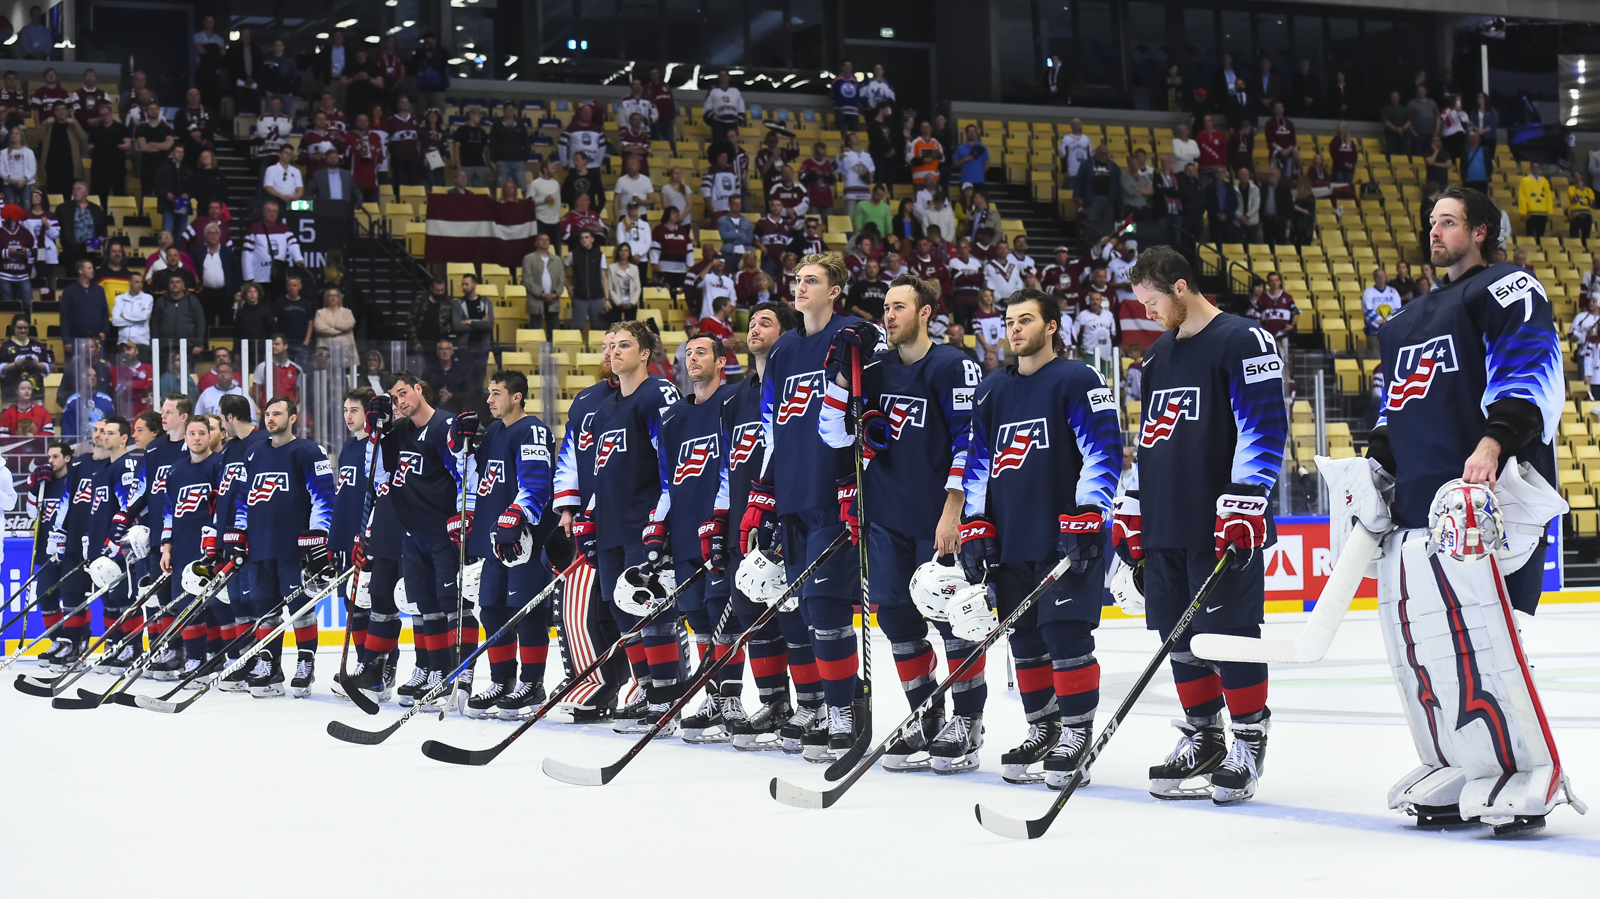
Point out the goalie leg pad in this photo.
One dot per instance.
(1466, 687)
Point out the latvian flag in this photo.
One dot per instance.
(476, 228)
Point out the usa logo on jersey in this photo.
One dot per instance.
(493, 473)
(266, 484)
(610, 442)
(84, 493)
(800, 390)
(233, 472)
(189, 499)
(693, 456)
(347, 476)
(1169, 407)
(746, 438)
(49, 509)
(1017, 440)
(1416, 368)
(101, 495)
(586, 436)
(160, 485)
(904, 412)
(409, 462)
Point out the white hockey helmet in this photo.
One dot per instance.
(363, 590)
(195, 577)
(933, 584)
(762, 578)
(637, 592)
(524, 546)
(970, 616)
(400, 601)
(1464, 522)
(104, 572)
(137, 542)
(1127, 587)
(472, 580)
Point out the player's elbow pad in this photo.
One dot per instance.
(1512, 423)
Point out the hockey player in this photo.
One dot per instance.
(69, 539)
(627, 487)
(111, 512)
(158, 454)
(189, 533)
(375, 551)
(920, 396)
(694, 500)
(800, 489)
(233, 615)
(288, 503)
(1475, 382)
(352, 484)
(1040, 474)
(1212, 438)
(47, 490)
(772, 657)
(509, 484)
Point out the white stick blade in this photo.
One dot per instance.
(795, 796)
(573, 774)
(155, 705)
(996, 823)
(1229, 648)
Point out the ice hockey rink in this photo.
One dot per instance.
(246, 797)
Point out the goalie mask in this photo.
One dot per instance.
(932, 586)
(1464, 522)
(637, 593)
(761, 578)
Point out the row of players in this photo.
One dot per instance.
(954, 463)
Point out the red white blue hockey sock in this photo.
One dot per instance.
(837, 662)
(802, 659)
(769, 660)
(969, 694)
(357, 622)
(914, 659)
(1075, 674)
(502, 651)
(1244, 688)
(533, 643)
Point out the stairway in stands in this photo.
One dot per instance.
(1044, 225)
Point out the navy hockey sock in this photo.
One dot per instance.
(357, 623)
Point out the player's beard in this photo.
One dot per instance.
(1036, 342)
(605, 371)
(1443, 259)
(1176, 318)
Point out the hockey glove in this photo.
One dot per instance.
(358, 553)
(845, 489)
(463, 432)
(55, 545)
(458, 527)
(208, 544)
(508, 530)
(1241, 522)
(1082, 540)
(980, 547)
(874, 434)
(760, 518)
(861, 337)
(41, 474)
(1126, 525)
(235, 545)
(584, 537)
(380, 414)
(714, 540)
(314, 559)
(120, 523)
(655, 546)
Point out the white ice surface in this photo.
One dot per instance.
(244, 797)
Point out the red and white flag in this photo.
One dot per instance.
(476, 228)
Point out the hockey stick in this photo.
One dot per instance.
(344, 732)
(23, 615)
(55, 686)
(710, 651)
(88, 700)
(22, 648)
(1018, 829)
(802, 797)
(1312, 643)
(444, 752)
(33, 543)
(596, 777)
(461, 584)
(155, 704)
(362, 701)
(864, 736)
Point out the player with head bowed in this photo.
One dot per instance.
(1041, 470)
(1211, 444)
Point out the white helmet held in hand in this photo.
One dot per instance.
(970, 617)
(472, 580)
(763, 579)
(195, 577)
(933, 585)
(104, 572)
(137, 542)
(1127, 588)
(400, 601)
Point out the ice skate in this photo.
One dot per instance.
(411, 689)
(521, 701)
(1065, 757)
(1236, 778)
(1042, 737)
(793, 732)
(909, 749)
(266, 677)
(706, 718)
(305, 672)
(1198, 753)
(955, 749)
(765, 722)
(481, 703)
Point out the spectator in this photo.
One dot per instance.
(1136, 186)
(632, 187)
(634, 231)
(472, 320)
(177, 315)
(508, 146)
(471, 145)
(1477, 163)
(989, 327)
(452, 378)
(363, 83)
(374, 373)
(461, 189)
(431, 65)
(664, 122)
(35, 37)
(1097, 327)
(391, 68)
(1222, 208)
(1184, 148)
(210, 184)
(1484, 121)
(17, 168)
(131, 314)
(875, 211)
(253, 321)
(226, 385)
(582, 180)
(330, 182)
(268, 245)
(282, 180)
(859, 171)
(1001, 273)
(937, 214)
(273, 130)
(1249, 206)
(17, 249)
(1379, 301)
(109, 143)
(15, 106)
(1345, 153)
(1213, 143)
(737, 233)
(1438, 164)
(193, 126)
(1192, 193)
(544, 277)
(581, 219)
(218, 276)
(61, 149)
(1339, 97)
(83, 224)
(624, 286)
(1100, 186)
(1453, 127)
(433, 137)
(26, 417)
(429, 319)
(403, 147)
(1277, 207)
(1397, 128)
(243, 62)
(279, 76)
(283, 378)
(1275, 309)
(292, 314)
(1242, 146)
(1167, 199)
(173, 261)
(94, 403)
(23, 358)
(724, 104)
(1535, 200)
(906, 226)
(331, 62)
(587, 282)
(1237, 108)
(1305, 90)
(817, 174)
(335, 325)
(1580, 207)
(1279, 132)
(867, 294)
(48, 96)
(1424, 118)
(367, 157)
(173, 189)
(956, 336)
(971, 158)
(1268, 88)
(883, 147)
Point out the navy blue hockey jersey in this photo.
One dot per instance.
(290, 489)
(424, 475)
(1042, 445)
(72, 516)
(746, 441)
(350, 493)
(116, 487)
(234, 479)
(190, 505)
(1448, 355)
(627, 461)
(511, 467)
(693, 446)
(46, 512)
(574, 475)
(157, 463)
(929, 405)
(804, 470)
(1214, 416)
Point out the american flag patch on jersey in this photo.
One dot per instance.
(189, 499)
(693, 456)
(1175, 404)
(746, 438)
(1017, 440)
(266, 484)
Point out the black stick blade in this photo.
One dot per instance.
(84, 700)
(455, 755)
(344, 732)
(26, 683)
(362, 701)
(130, 701)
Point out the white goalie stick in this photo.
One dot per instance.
(1312, 643)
